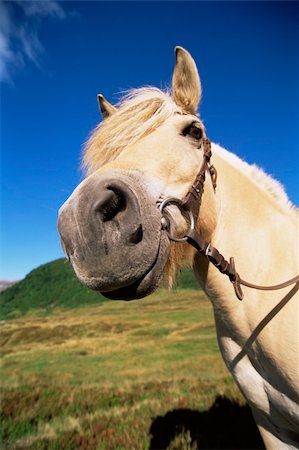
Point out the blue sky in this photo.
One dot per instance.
(56, 56)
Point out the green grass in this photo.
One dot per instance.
(104, 376)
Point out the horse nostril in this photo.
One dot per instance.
(136, 236)
(109, 204)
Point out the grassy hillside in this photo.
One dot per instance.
(50, 285)
(55, 285)
(121, 376)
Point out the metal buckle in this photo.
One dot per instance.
(165, 220)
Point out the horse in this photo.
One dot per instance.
(125, 231)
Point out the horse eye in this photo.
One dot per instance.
(194, 131)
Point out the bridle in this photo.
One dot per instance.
(190, 205)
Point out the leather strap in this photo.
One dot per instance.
(228, 268)
(192, 200)
(218, 260)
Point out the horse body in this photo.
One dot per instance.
(151, 148)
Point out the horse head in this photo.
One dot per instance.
(147, 149)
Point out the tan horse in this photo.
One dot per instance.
(150, 148)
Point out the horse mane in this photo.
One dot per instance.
(257, 175)
(139, 112)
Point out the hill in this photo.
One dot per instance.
(55, 285)
(51, 285)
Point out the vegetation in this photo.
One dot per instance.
(50, 285)
(55, 285)
(120, 376)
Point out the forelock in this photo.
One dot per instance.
(139, 113)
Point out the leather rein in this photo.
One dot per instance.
(190, 205)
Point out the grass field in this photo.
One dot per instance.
(137, 375)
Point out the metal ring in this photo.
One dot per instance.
(165, 223)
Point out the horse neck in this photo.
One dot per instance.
(262, 236)
(252, 227)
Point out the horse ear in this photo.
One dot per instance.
(186, 86)
(106, 108)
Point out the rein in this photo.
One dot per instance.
(190, 205)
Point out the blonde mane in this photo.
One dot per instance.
(139, 113)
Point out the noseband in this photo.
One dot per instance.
(190, 206)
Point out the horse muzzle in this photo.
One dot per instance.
(111, 233)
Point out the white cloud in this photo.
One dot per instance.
(19, 32)
(42, 8)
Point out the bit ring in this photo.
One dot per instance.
(166, 222)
